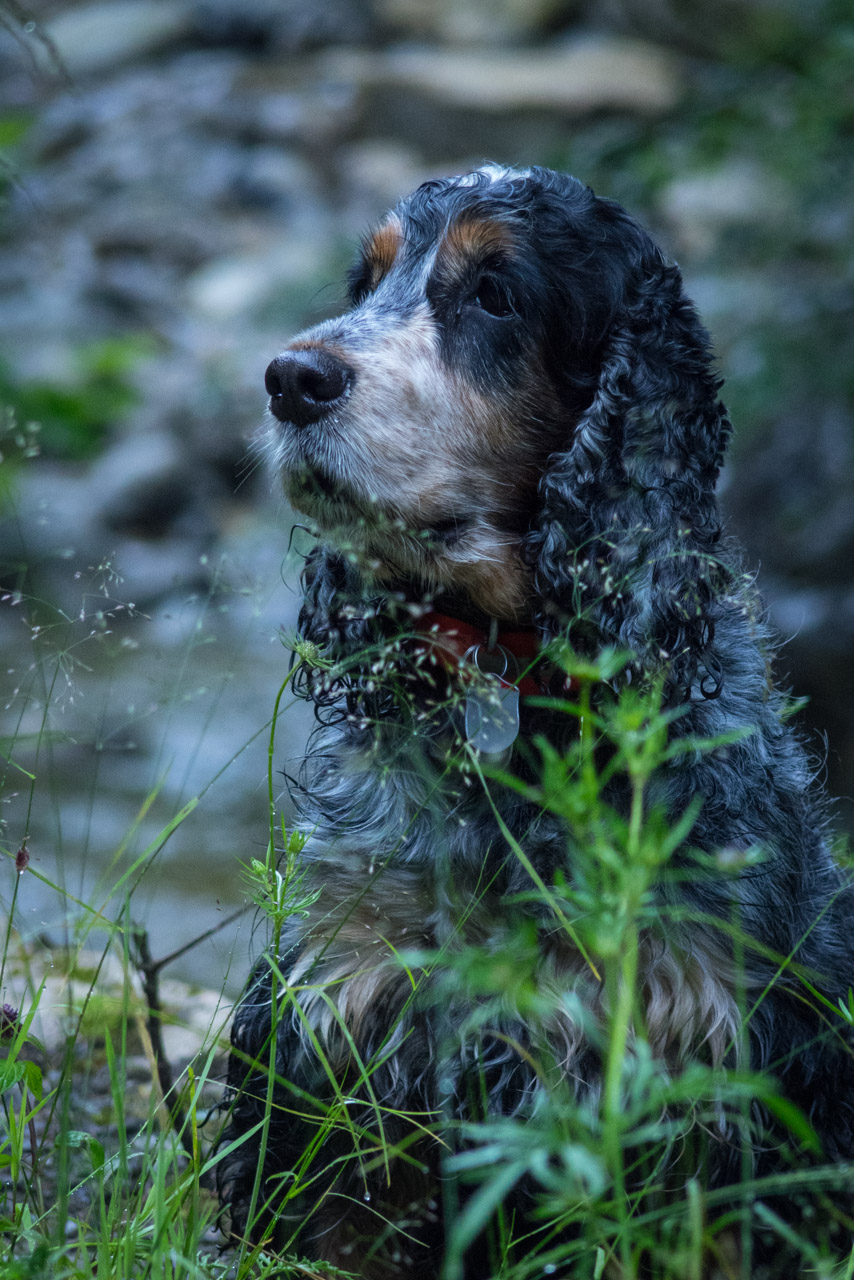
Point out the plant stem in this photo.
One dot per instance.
(277, 939)
(623, 983)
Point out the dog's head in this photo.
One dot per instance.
(517, 409)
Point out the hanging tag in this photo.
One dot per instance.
(492, 715)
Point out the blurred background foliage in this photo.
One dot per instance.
(182, 185)
(75, 416)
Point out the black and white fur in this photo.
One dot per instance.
(517, 419)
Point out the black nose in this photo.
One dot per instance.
(305, 385)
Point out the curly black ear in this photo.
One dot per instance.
(335, 614)
(345, 623)
(623, 547)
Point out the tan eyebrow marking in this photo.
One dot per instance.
(382, 248)
(473, 239)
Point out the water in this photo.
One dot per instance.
(125, 723)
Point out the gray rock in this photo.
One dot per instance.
(794, 500)
(155, 226)
(234, 287)
(276, 179)
(142, 483)
(479, 22)
(196, 1015)
(95, 37)
(377, 172)
(152, 570)
(699, 206)
(292, 102)
(289, 26)
(114, 513)
(708, 26)
(573, 80)
(172, 97)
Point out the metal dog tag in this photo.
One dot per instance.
(492, 715)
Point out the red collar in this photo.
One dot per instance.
(453, 640)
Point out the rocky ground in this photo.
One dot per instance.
(185, 182)
(73, 1000)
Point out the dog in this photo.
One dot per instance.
(512, 437)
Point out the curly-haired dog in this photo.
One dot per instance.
(515, 427)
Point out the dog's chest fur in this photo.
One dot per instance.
(412, 866)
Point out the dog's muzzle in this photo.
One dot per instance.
(306, 385)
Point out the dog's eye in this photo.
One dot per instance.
(494, 298)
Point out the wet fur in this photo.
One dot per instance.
(559, 470)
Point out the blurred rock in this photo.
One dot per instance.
(146, 148)
(810, 617)
(153, 570)
(152, 226)
(476, 21)
(699, 206)
(275, 179)
(195, 1018)
(291, 102)
(748, 294)
(377, 173)
(94, 37)
(236, 286)
(707, 26)
(288, 26)
(138, 106)
(119, 512)
(142, 484)
(801, 469)
(573, 80)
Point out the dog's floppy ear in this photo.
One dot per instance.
(345, 623)
(327, 586)
(334, 611)
(623, 547)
